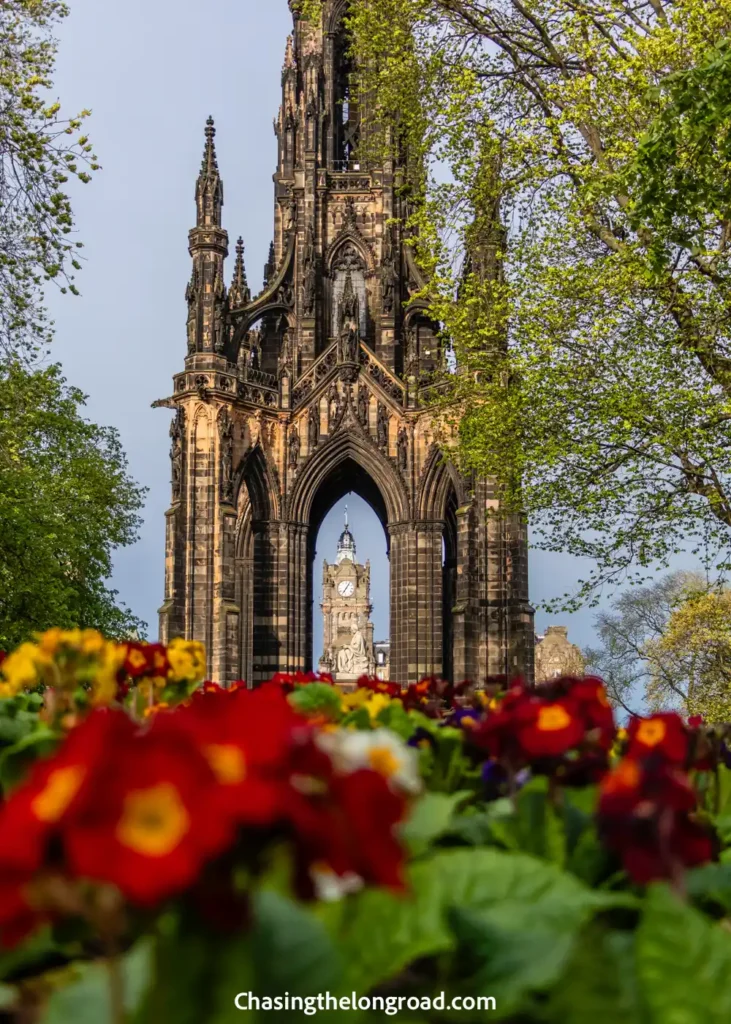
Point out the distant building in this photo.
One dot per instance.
(557, 656)
(348, 651)
(383, 658)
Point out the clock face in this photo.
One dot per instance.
(346, 588)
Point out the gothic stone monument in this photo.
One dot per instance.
(348, 651)
(313, 388)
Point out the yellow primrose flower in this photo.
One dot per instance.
(376, 704)
(187, 661)
(353, 701)
(21, 670)
(104, 683)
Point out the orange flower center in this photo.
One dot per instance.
(651, 732)
(384, 761)
(153, 821)
(553, 718)
(228, 763)
(627, 775)
(137, 659)
(60, 789)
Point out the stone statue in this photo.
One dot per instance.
(294, 448)
(176, 452)
(191, 297)
(254, 358)
(353, 660)
(363, 405)
(333, 405)
(388, 275)
(314, 427)
(226, 435)
(382, 426)
(310, 290)
(402, 446)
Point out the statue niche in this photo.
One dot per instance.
(349, 323)
(348, 272)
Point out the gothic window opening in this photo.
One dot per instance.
(346, 120)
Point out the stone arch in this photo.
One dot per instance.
(254, 474)
(344, 447)
(337, 13)
(356, 239)
(438, 476)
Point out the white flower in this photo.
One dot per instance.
(330, 887)
(381, 751)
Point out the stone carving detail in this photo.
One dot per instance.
(353, 661)
(363, 399)
(314, 427)
(310, 273)
(382, 427)
(219, 315)
(350, 183)
(348, 259)
(402, 450)
(191, 297)
(226, 436)
(176, 452)
(285, 295)
(333, 406)
(294, 448)
(389, 277)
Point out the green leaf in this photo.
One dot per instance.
(87, 1000)
(429, 819)
(199, 975)
(414, 925)
(683, 963)
(599, 983)
(711, 884)
(510, 963)
(16, 761)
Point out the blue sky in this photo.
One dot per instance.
(151, 73)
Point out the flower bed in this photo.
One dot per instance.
(166, 844)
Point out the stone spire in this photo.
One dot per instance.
(209, 187)
(208, 247)
(240, 294)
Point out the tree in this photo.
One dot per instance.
(668, 644)
(66, 503)
(604, 407)
(39, 153)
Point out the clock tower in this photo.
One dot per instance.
(348, 650)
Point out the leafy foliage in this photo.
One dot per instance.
(669, 643)
(39, 153)
(66, 503)
(591, 332)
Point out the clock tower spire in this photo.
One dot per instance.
(348, 651)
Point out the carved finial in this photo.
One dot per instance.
(240, 294)
(209, 187)
(289, 61)
(269, 266)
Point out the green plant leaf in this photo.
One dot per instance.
(87, 999)
(430, 818)
(683, 963)
(513, 886)
(599, 984)
(509, 963)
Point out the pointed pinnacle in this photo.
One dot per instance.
(210, 164)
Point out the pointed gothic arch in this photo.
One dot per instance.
(348, 446)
